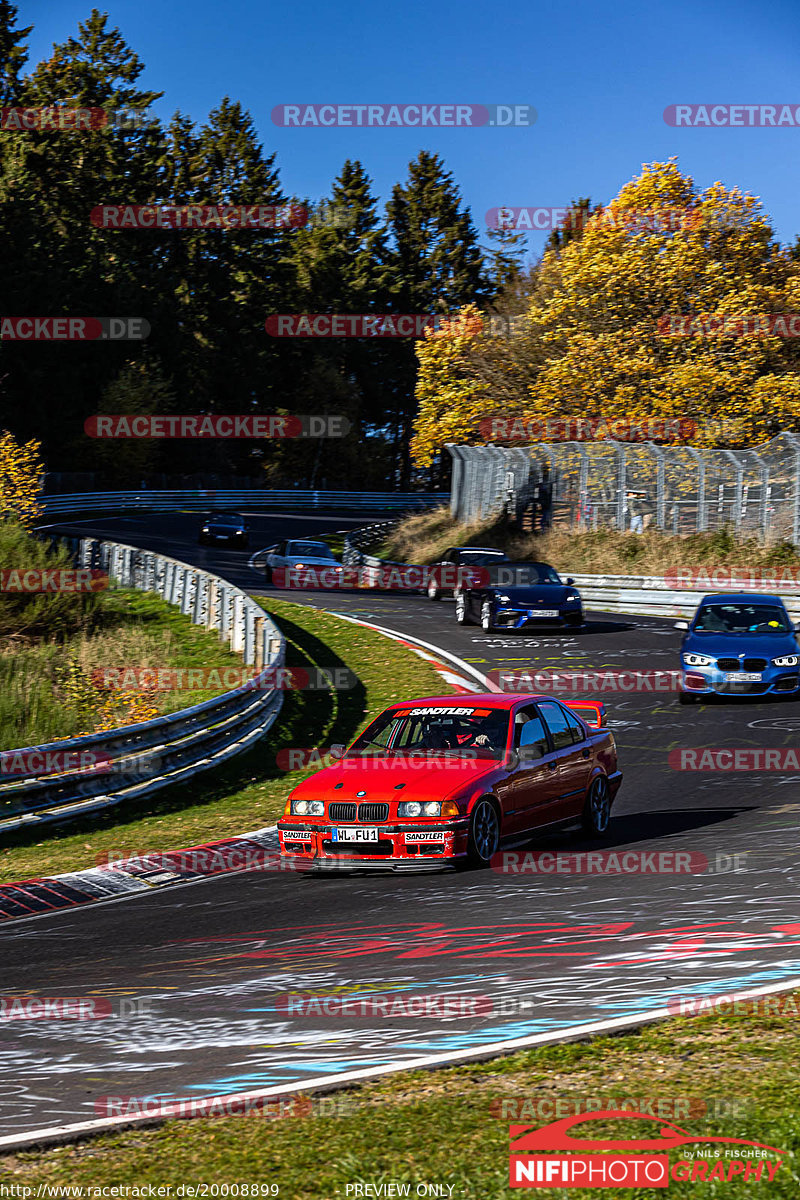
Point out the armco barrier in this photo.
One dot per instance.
(138, 759)
(202, 499)
(645, 595)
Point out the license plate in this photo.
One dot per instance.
(354, 835)
(742, 677)
(543, 612)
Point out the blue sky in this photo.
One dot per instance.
(599, 76)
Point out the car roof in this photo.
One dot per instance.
(225, 512)
(306, 542)
(478, 699)
(480, 549)
(741, 598)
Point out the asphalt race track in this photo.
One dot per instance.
(534, 952)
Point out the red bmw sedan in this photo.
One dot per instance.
(441, 781)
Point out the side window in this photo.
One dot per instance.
(557, 723)
(578, 732)
(529, 730)
(280, 549)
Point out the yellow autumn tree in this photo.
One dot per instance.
(20, 480)
(594, 340)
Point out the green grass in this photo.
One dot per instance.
(250, 791)
(440, 1126)
(46, 691)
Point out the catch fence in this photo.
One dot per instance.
(608, 484)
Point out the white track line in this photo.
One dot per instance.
(328, 1083)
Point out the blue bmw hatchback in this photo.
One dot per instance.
(739, 644)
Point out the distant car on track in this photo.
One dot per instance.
(227, 527)
(739, 644)
(440, 781)
(297, 555)
(520, 595)
(444, 573)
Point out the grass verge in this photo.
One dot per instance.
(251, 790)
(737, 1071)
(423, 537)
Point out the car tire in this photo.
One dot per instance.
(486, 617)
(433, 592)
(461, 610)
(484, 833)
(597, 809)
(686, 698)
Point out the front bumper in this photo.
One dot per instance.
(709, 681)
(399, 846)
(525, 618)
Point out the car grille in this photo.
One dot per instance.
(740, 688)
(373, 812)
(342, 812)
(729, 664)
(755, 664)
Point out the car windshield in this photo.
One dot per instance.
(225, 518)
(522, 574)
(481, 558)
(466, 731)
(742, 618)
(309, 550)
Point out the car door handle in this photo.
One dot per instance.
(552, 765)
(586, 752)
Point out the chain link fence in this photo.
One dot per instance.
(633, 485)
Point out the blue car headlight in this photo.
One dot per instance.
(787, 660)
(697, 660)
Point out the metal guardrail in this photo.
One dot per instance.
(203, 499)
(136, 760)
(645, 595)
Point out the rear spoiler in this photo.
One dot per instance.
(593, 712)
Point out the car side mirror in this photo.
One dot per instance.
(681, 625)
(570, 581)
(337, 750)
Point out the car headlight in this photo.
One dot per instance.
(573, 600)
(307, 808)
(697, 660)
(503, 599)
(206, 529)
(413, 808)
(788, 660)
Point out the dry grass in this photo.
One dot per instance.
(423, 538)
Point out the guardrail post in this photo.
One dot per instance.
(260, 644)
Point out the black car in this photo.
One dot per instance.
(520, 595)
(227, 527)
(444, 574)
